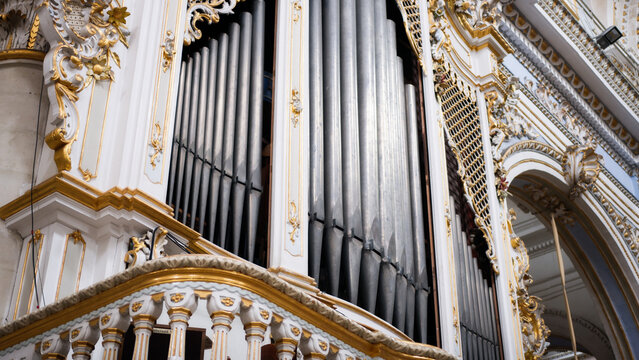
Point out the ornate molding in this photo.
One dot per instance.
(20, 28)
(544, 63)
(82, 35)
(204, 10)
(439, 40)
(534, 330)
(548, 201)
(561, 16)
(581, 166)
(505, 119)
(148, 246)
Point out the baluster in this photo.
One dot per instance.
(313, 346)
(287, 335)
(144, 311)
(256, 319)
(53, 347)
(113, 324)
(83, 338)
(222, 306)
(339, 354)
(180, 303)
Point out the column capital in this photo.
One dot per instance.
(54, 347)
(254, 315)
(83, 338)
(314, 346)
(180, 301)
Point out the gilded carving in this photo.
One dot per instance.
(296, 106)
(105, 319)
(478, 13)
(264, 314)
(227, 301)
(205, 10)
(136, 306)
(141, 248)
(297, 11)
(534, 330)
(83, 36)
(581, 166)
(20, 28)
(177, 297)
(439, 40)
(293, 221)
(505, 120)
(545, 199)
(323, 345)
(168, 50)
(75, 333)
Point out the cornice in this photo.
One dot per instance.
(543, 70)
(557, 11)
(563, 69)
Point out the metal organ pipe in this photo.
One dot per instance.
(419, 236)
(368, 149)
(190, 155)
(316, 129)
(388, 268)
(254, 176)
(205, 184)
(176, 136)
(199, 136)
(351, 254)
(182, 150)
(218, 132)
(229, 132)
(332, 145)
(241, 131)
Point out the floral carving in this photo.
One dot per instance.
(439, 41)
(545, 199)
(140, 248)
(505, 119)
(208, 10)
(581, 166)
(478, 13)
(82, 34)
(534, 330)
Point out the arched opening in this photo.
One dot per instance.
(601, 299)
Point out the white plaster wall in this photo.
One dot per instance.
(20, 85)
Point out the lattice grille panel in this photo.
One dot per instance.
(461, 120)
(411, 14)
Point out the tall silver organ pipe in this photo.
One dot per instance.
(215, 180)
(366, 191)
(476, 302)
(316, 129)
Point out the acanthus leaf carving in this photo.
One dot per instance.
(581, 166)
(208, 10)
(533, 328)
(82, 35)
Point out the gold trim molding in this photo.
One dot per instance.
(22, 54)
(214, 269)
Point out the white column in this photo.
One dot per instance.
(181, 303)
(53, 347)
(289, 185)
(314, 347)
(446, 277)
(144, 311)
(511, 347)
(113, 325)
(256, 319)
(83, 338)
(286, 334)
(222, 306)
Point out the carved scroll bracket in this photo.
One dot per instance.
(82, 36)
(205, 10)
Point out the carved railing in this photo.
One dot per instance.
(250, 312)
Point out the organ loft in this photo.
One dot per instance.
(319, 179)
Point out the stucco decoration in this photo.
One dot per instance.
(148, 246)
(479, 13)
(581, 167)
(82, 35)
(205, 10)
(533, 328)
(19, 27)
(505, 120)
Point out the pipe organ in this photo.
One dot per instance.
(367, 238)
(366, 229)
(216, 182)
(480, 337)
